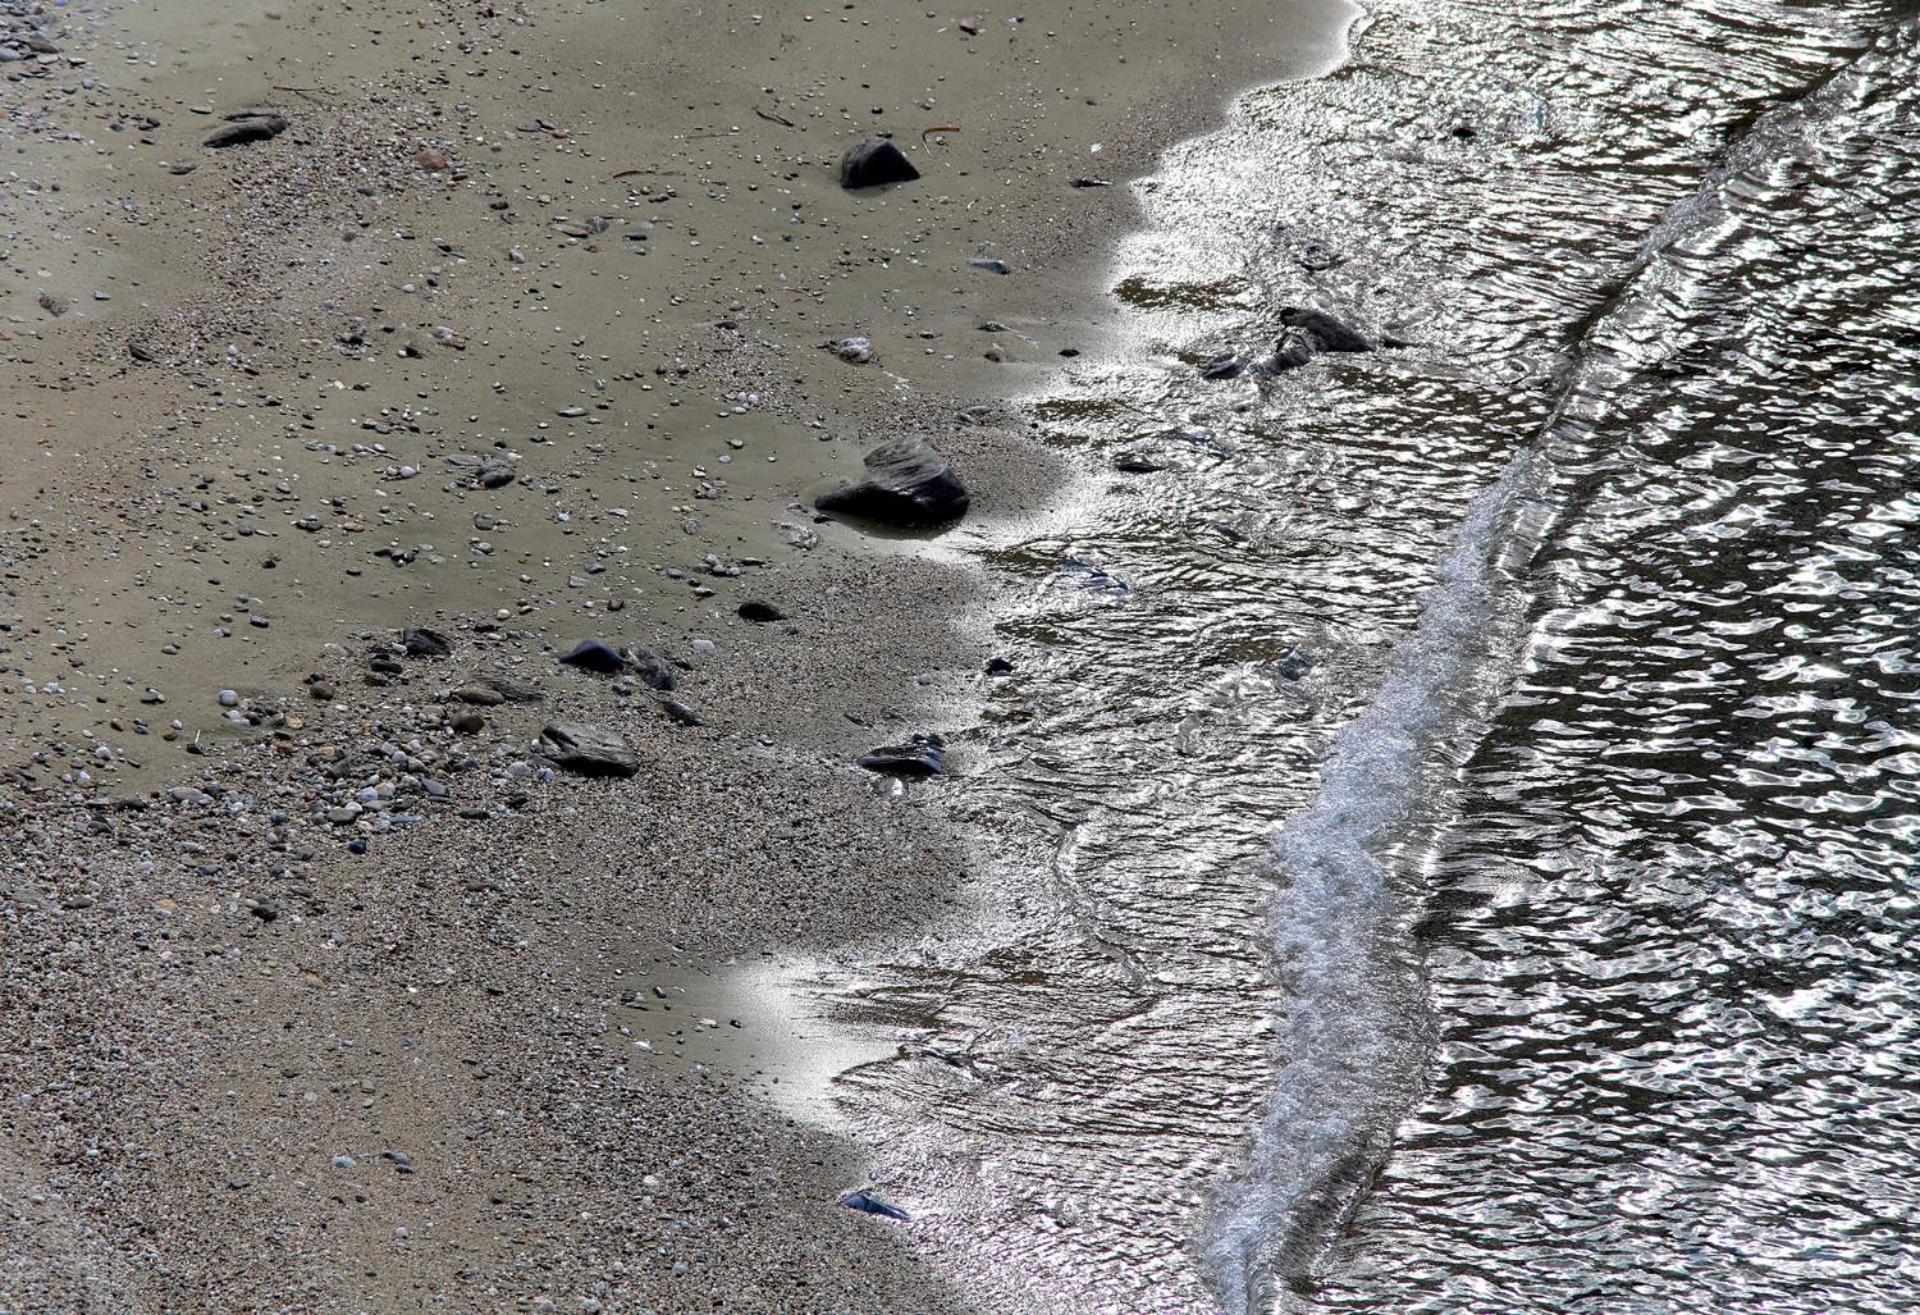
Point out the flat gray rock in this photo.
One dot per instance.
(588, 750)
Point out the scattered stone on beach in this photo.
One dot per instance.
(594, 655)
(423, 643)
(855, 350)
(248, 126)
(867, 1203)
(920, 756)
(875, 162)
(587, 750)
(684, 713)
(512, 691)
(991, 265)
(654, 671)
(479, 696)
(760, 613)
(999, 666)
(908, 485)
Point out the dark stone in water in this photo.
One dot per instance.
(1323, 332)
(999, 667)
(873, 1205)
(653, 670)
(1132, 463)
(243, 128)
(421, 642)
(1294, 665)
(1230, 366)
(761, 613)
(875, 162)
(908, 484)
(1092, 578)
(921, 756)
(587, 750)
(592, 655)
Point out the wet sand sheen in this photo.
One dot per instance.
(251, 1067)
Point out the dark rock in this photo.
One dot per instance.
(588, 750)
(480, 696)
(1132, 463)
(909, 485)
(1294, 665)
(1324, 333)
(592, 655)
(999, 667)
(991, 265)
(873, 1205)
(761, 613)
(875, 162)
(652, 669)
(1291, 353)
(247, 127)
(468, 723)
(1091, 182)
(421, 642)
(921, 756)
(684, 713)
(1230, 366)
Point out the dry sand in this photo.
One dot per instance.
(503, 1056)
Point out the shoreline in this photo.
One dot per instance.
(454, 1012)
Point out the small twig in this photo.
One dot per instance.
(300, 91)
(938, 127)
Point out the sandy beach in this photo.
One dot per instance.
(324, 990)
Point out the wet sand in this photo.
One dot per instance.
(502, 1055)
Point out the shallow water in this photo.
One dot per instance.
(1495, 750)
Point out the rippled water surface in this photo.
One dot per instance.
(1499, 747)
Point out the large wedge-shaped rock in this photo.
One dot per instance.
(908, 484)
(874, 163)
(575, 746)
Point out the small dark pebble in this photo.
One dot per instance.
(761, 613)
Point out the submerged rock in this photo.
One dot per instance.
(908, 484)
(921, 756)
(1230, 366)
(867, 1203)
(1092, 579)
(593, 655)
(1323, 333)
(587, 750)
(875, 162)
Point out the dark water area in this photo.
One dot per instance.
(1469, 860)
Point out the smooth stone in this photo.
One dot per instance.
(244, 128)
(908, 484)
(587, 750)
(761, 613)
